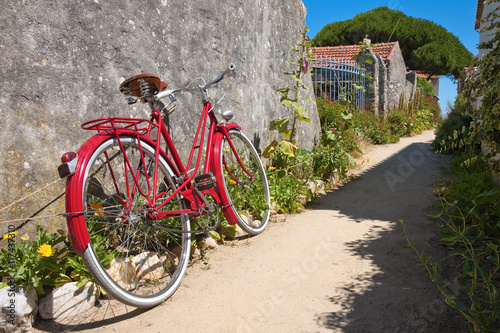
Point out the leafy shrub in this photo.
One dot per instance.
(431, 104)
(374, 127)
(337, 116)
(452, 132)
(285, 190)
(426, 86)
(35, 264)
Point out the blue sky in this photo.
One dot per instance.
(456, 16)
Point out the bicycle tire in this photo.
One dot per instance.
(128, 256)
(248, 201)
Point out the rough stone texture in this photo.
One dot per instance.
(68, 301)
(62, 63)
(411, 85)
(18, 309)
(396, 76)
(383, 86)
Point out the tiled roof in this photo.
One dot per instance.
(425, 75)
(385, 50)
(479, 14)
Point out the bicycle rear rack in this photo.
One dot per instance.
(111, 124)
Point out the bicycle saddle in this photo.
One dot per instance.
(142, 85)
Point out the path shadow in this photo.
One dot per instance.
(397, 296)
(106, 312)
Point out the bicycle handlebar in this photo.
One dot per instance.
(168, 92)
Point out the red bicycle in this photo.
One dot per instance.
(132, 205)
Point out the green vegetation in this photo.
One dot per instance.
(484, 89)
(470, 221)
(38, 264)
(469, 198)
(425, 45)
(286, 126)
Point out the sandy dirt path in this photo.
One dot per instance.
(338, 267)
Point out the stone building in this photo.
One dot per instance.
(390, 82)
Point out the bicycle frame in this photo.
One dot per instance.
(106, 129)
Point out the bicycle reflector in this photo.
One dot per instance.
(68, 166)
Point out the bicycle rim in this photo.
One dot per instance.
(129, 257)
(245, 187)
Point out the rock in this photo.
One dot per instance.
(123, 271)
(320, 185)
(247, 219)
(302, 199)
(18, 309)
(148, 266)
(256, 223)
(68, 301)
(316, 186)
(209, 243)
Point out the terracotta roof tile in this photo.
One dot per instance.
(346, 53)
(425, 75)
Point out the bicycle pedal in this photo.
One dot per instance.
(204, 182)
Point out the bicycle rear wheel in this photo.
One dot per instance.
(244, 186)
(133, 258)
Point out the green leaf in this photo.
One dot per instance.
(215, 235)
(270, 149)
(279, 124)
(287, 148)
(82, 282)
(486, 197)
(299, 109)
(288, 102)
(304, 119)
(310, 100)
(284, 91)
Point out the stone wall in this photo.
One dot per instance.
(62, 63)
(390, 82)
(396, 77)
(411, 85)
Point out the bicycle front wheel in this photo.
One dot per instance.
(137, 260)
(242, 181)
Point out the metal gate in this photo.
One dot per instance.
(337, 79)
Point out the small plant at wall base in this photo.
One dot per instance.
(290, 98)
(36, 264)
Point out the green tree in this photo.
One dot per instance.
(425, 45)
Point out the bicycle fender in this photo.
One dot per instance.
(75, 219)
(217, 144)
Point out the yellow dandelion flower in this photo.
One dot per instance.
(10, 235)
(232, 181)
(46, 250)
(227, 150)
(271, 168)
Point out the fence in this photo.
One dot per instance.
(336, 79)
